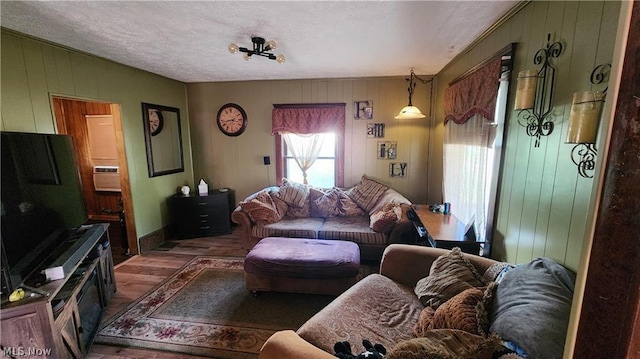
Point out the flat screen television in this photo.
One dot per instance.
(40, 201)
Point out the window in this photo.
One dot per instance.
(322, 171)
(309, 141)
(472, 145)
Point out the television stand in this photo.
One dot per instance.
(59, 319)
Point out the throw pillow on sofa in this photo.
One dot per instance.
(532, 306)
(281, 205)
(385, 219)
(326, 205)
(262, 209)
(367, 192)
(446, 344)
(449, 275)
(466, 311)
(389, 196)
(346, 206)
(295, 194)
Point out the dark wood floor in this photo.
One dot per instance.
(138, 274)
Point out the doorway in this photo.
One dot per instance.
(96, 128)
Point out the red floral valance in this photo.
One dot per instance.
(308, 118)
(473, 95)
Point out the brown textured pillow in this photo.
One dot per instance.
(450, 274)
(424, 322)
(459, 312)
(295, 194)
(466, 311)
(446, 344)
(262, 209)
(367, 192)
(385, 219)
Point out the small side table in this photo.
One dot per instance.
(202, 216)
(442, 230)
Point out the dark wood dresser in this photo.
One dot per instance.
(202, 216)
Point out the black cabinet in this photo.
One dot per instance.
(202, 216)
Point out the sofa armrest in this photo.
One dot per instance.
(406, 264)
(288, 344)
(241, 218)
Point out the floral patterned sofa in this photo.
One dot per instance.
(370, 214)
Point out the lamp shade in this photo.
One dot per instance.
(410, 112)
(584, 117)
(526, 89)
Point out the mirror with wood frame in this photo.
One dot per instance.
(163, 138)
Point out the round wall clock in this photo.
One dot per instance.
(231, 119)
(156, 121)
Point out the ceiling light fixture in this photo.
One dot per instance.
(261, 47)
(410, 111)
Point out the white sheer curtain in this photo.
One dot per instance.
(304, 149)
(467, 170)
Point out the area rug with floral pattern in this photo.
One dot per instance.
(205, 309)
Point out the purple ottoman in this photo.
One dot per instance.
(299, 265)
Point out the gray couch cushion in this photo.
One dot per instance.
(531, 307)
(355, 229)
(376, 308)
(289, 227)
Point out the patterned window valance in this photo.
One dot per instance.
(308, 118)
(473, 95)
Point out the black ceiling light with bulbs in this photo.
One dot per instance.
(261, 47)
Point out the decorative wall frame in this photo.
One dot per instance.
(398, 169)
(363, 109)
(375, 130)
(387, 150)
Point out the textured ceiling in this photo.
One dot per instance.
(187, 40)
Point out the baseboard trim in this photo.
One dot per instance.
(153, 239)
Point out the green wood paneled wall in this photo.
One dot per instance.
(33, 70)
(543, 204)
(236, 162)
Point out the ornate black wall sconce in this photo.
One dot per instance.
(535, 92)
(584, 120)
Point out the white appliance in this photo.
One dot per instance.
(106, 178)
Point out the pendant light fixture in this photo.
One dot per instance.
(410, 111)
(261, 47)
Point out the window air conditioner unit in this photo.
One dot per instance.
(106, 178)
